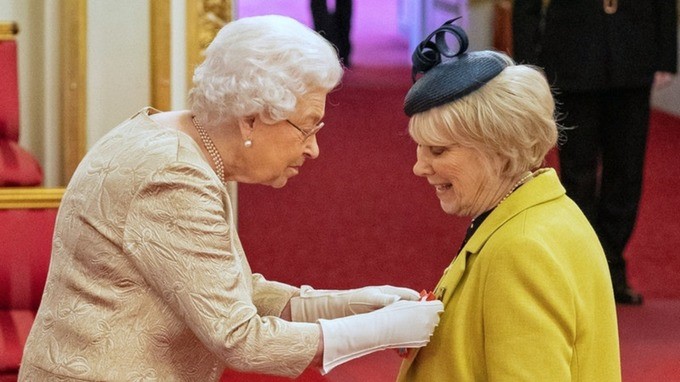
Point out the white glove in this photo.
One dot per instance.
(313, 304)
(404, 324)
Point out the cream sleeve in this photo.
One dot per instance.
(178, 236)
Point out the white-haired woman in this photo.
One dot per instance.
(148, 279)
(528, 297)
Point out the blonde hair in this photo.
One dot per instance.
(261, 66)
(513, 116)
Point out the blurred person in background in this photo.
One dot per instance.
(334, 21)
(604, 57)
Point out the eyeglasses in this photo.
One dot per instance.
(307, 133)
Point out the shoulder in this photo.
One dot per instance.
(552, 233)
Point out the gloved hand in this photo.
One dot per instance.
(313, 304)
(404, 324)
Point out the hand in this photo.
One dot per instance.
(313, 304)
(404, 324)
(662, 79)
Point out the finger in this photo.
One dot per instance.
(368, 303)
(436, 305)
(403, 293)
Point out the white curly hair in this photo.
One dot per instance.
(261, 66)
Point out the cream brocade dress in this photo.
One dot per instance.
(148, 280)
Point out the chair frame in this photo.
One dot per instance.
(30, 197)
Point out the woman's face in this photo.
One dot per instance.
(463, 178)
(279, 150)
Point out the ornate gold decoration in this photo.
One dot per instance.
(30, 197)
(8, 30)
(160, 54)
(73, 61)
(204, 20)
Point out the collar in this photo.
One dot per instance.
(545, 186)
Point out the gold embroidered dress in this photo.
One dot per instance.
(148, 280)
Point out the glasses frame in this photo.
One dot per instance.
(307, 133)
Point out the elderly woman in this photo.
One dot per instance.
(528, 296)
(148, 279)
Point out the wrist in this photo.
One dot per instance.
(286, 312)
(317, 361)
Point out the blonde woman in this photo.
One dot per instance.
(527, 297)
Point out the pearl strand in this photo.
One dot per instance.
(520, 182)
(212, 150)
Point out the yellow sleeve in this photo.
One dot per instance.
(529, 314)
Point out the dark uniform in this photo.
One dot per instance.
(601, 56)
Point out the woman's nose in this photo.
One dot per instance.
(311, 148)
(422, 167)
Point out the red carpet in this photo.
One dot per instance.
(357, 216)
(650, 338)
(650, 341)
(653, 251)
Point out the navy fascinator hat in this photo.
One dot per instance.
(446, 80)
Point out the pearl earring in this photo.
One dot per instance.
(248, 143)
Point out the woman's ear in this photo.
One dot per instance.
(498, 163)
(246, 126)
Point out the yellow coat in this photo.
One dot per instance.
(528, 298)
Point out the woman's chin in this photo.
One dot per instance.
(279, 182)
(449, 208)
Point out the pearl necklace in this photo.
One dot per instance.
(520, 182)
(212, 150)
